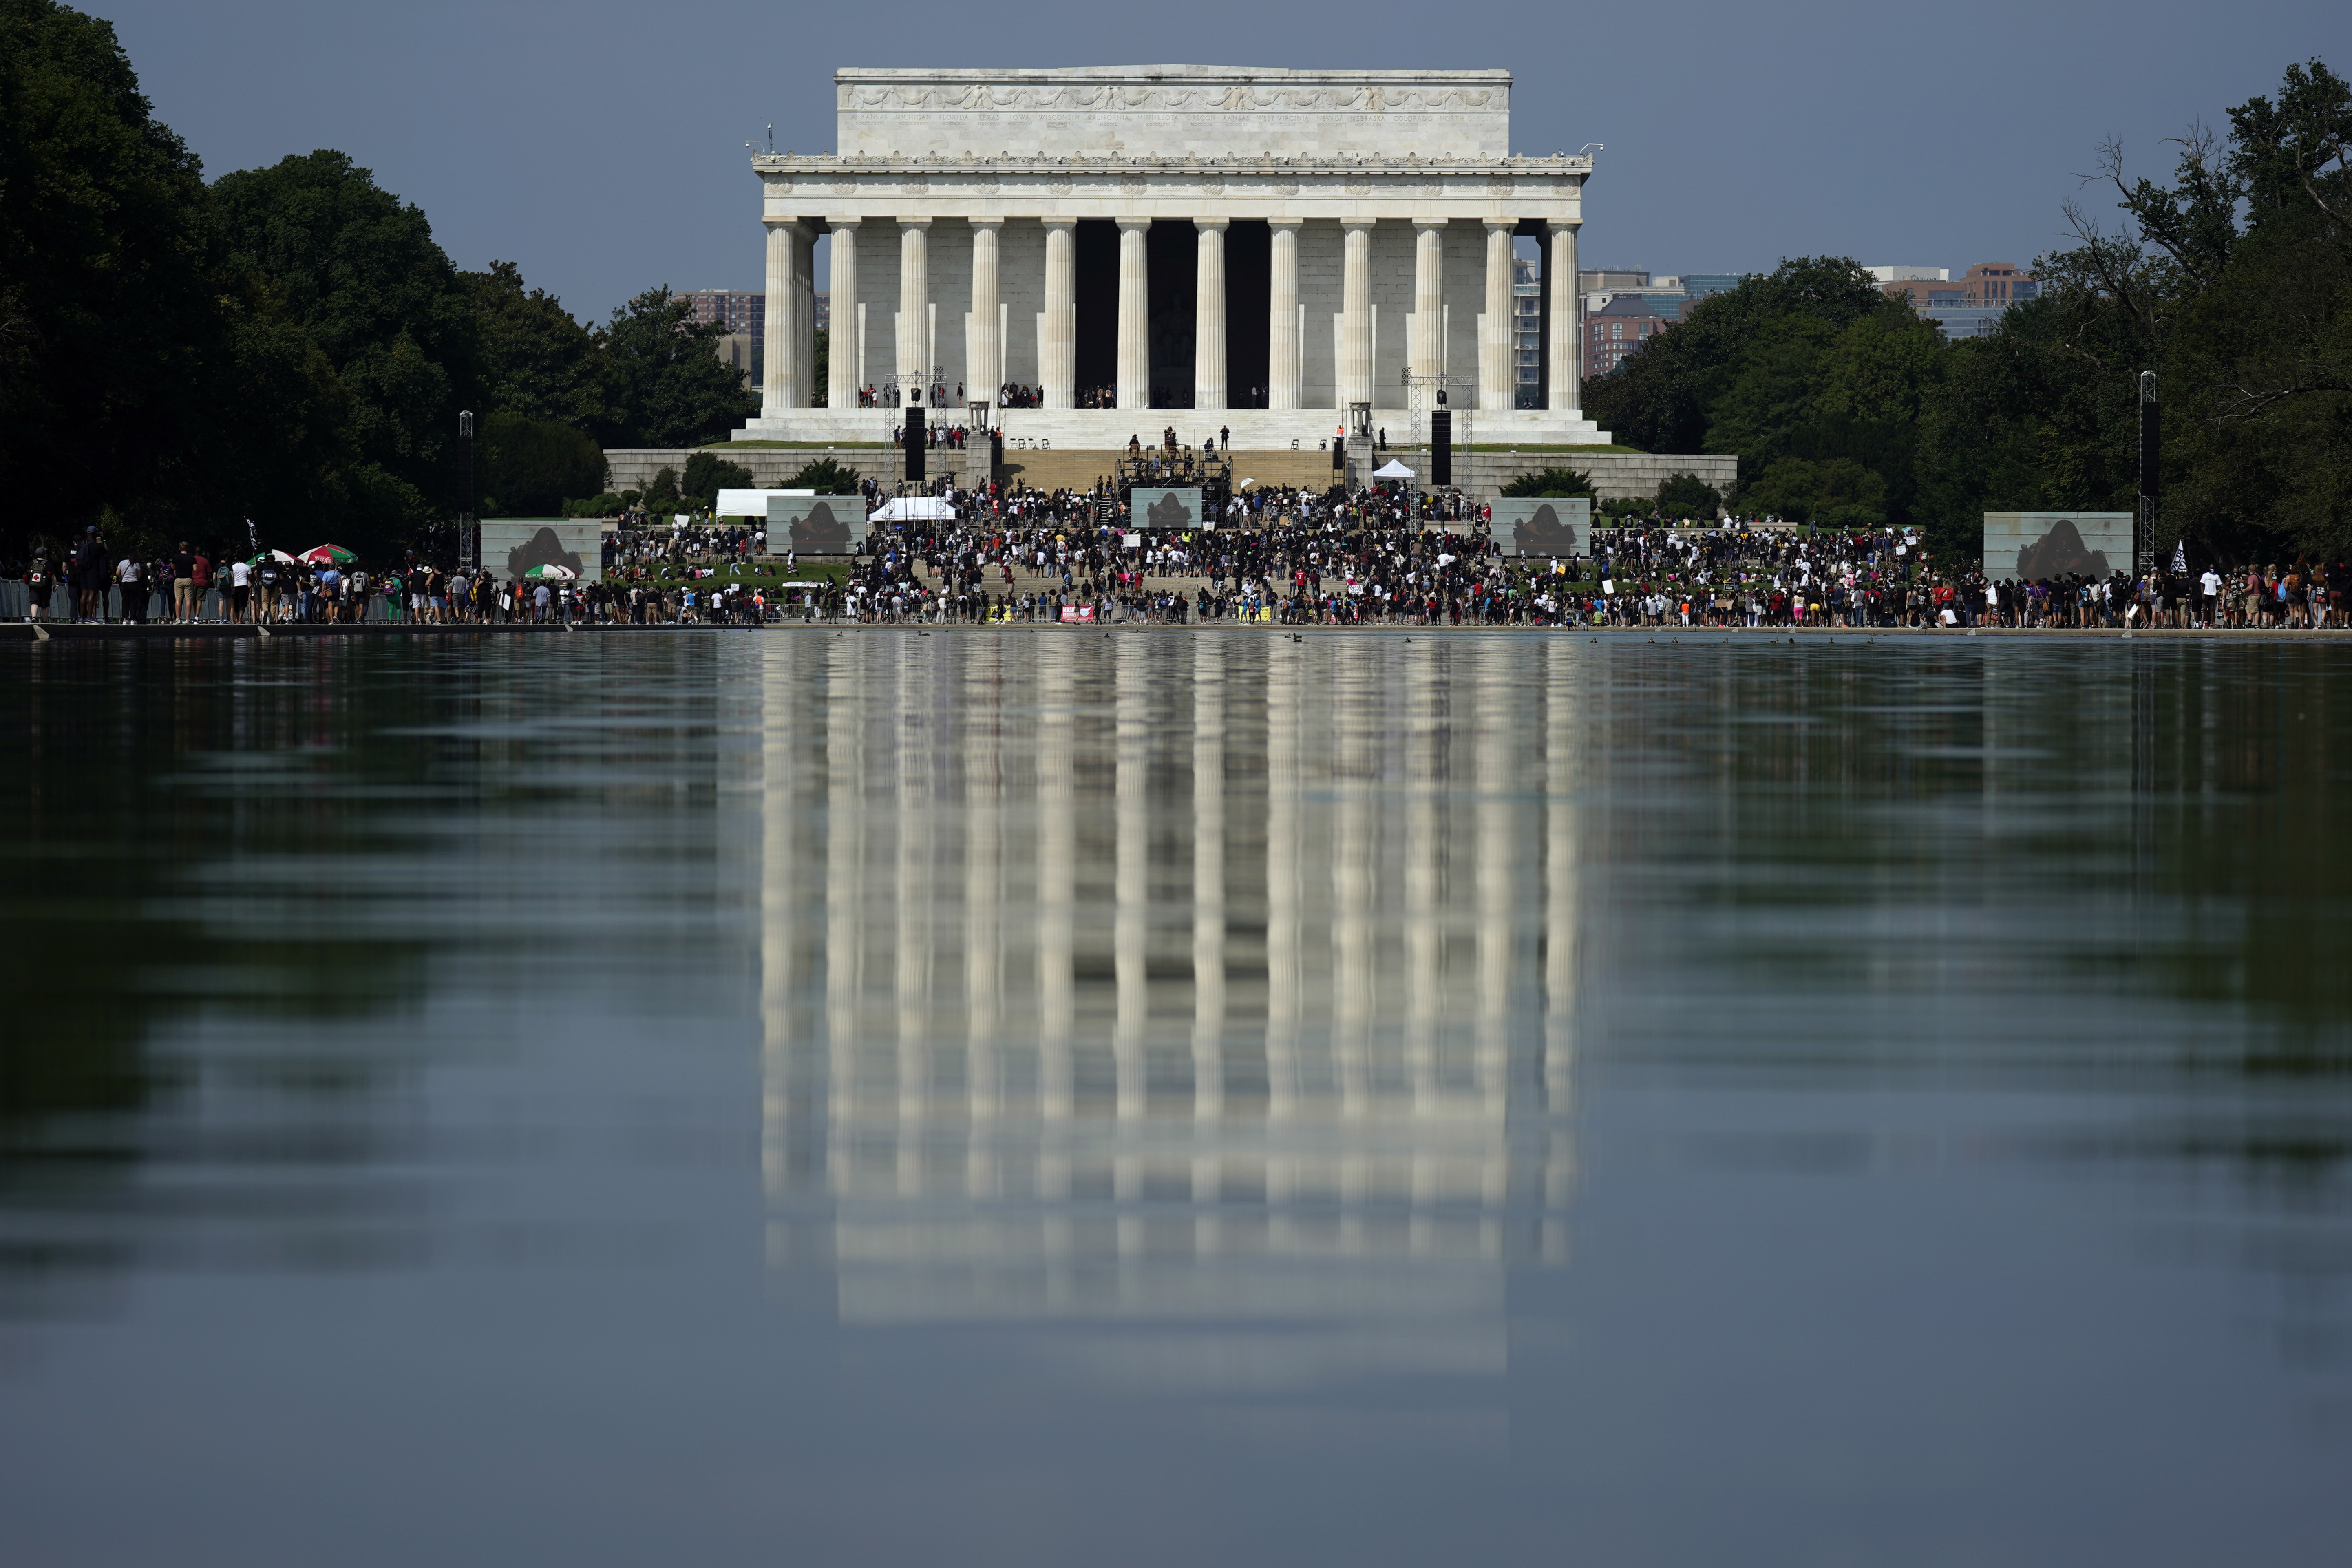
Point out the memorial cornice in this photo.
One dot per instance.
(775, 165)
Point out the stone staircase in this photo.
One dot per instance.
(1077, 470)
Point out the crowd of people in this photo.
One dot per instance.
(1279, 554)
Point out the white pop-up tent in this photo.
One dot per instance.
(1393, 470)
(749, 503)
(915, 509)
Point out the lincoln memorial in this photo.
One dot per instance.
(1267, 248)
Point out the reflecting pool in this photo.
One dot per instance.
(1040, 1096)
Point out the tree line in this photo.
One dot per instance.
(287, 344)
(2232, 283)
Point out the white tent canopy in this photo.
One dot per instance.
(1394, 471)
(915, 509)
(749, 503)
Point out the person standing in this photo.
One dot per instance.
(240, 589)
(183, 567)
(38, 584)
(200, 584)
(134, 593)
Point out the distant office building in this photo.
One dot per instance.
(1969, 306)
(736, 312)
(1697, 286)
(1612, 280)
(1527, 333)
(1994, 285)
(1617, 329)
(739, 351)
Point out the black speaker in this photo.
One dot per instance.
(1441, 446)
(915, 436)
(1338, 453)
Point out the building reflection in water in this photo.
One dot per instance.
(1219, 987)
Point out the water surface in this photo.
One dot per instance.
(1047, 1097)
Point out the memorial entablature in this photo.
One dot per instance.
(1265, 247)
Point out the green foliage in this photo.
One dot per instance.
(1837, 492)
(1549, 482)
(1688, 496)
(605, 505)
(359, 272)
(669, 387)
(1623, 506)
(535, 359)
(2234, 284)
(825, 477)
(662, 495)
(534, 465)
(116, 349)
(707, 474)
(822, 376)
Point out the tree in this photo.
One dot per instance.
(531, 467)
(669, 386)
(113, 342)
(1837, 492)
(825, 477)
(535, 359)
(358, 273)
(707, 474)
(1549, 482)
(1659, 399)
(1688, 496)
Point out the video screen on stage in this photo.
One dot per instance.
(816, 525)
(512, 546)
(1161, 511)
(2031, 546)
(1542, 525)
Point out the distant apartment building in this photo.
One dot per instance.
(1969, 306)
(1617, 329)
(736, 312)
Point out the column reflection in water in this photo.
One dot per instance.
(1312, 1227)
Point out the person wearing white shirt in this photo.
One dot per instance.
(2209, 596)
(240, 588)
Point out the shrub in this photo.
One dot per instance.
(605, 505)
(534, 466)
(1549, 483)
(707, 474)
(825, 477)
(1687, 495)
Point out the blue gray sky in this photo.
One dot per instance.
(601, 146)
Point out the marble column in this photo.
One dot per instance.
(1134, 314)
(1208, 316)
(1282, 316)
(914, 304)
(1566, 327)
(1494, 326)
(984, 365)
(1057, 337)
(841, 369)
(1428, 347)
(1356, 309)
(781, 387)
